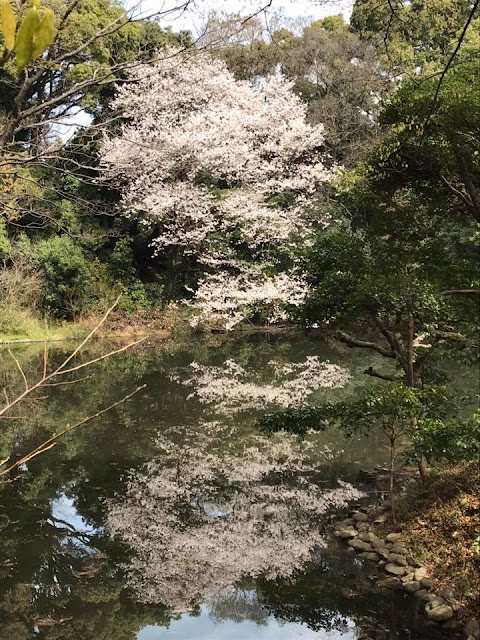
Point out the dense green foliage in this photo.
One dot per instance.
(432, 148)
(412, 36)
(398, 274)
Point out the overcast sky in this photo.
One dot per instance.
(194, 17)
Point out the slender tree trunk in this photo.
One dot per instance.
(411, 382)
(424, 470)
(392, 477)
(410, 351)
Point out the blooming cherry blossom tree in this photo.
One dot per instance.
(200, 157)
(205, 159)
(231, 389)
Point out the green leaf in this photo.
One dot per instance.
(25, 36)
(43, 35)
(7, 24)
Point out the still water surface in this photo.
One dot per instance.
(171, 518)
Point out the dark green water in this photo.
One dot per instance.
(157, 521)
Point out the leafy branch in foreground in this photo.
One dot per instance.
(34, 34)
(422, 422)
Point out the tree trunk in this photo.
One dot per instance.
(410, 338)
(424, 470)
(392, 477)
(411, 382)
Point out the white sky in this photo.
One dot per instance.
(195, 16)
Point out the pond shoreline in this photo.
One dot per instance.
(372, 535)
(119, 326)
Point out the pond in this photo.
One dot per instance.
(171, 517)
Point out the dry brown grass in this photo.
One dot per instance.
(441, 525)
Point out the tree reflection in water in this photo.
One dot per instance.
(203, 516)
(62, 576)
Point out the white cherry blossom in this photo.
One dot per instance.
(200, 157)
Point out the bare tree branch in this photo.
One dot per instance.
(62, 370)
(50, 442)
(376, 374)
(460, 292)
(351, 341)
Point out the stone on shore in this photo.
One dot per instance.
(397, 548)
(359, 545)
(398, 559)
(390, 583)
(346, 533)
(359, 516)
(472, 628)
(427, 583)
(411, 587)
(420, 573)
(439, 613)
(395, 569)
(369, 555)
(393, 537)
(409, 577)
(432, 597)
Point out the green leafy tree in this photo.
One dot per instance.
(431, 144)
(421, 423)
(68, 279)
(336, 73)
(417, 35)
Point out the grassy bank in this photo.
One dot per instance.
(441, 525)
(27, 327)
(24, 326)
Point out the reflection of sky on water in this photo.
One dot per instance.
(202, 627)
(63, 508)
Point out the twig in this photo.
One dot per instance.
(107, 355)
(60, 370)
(58, 384)
(45, 359)
(50, 442)
(20, 369)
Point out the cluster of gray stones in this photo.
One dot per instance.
(403, 571)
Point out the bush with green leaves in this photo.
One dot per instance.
(68, 276)
(122, 269)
